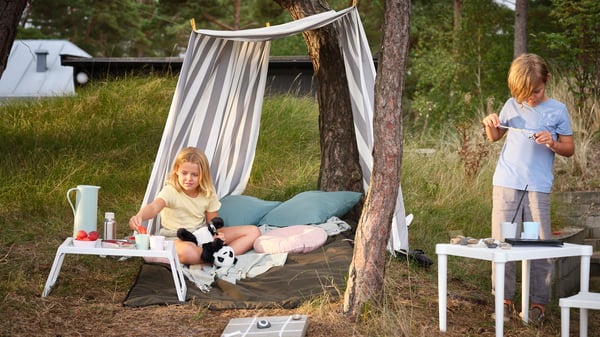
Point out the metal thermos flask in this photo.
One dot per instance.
(110, 226)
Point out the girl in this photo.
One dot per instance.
(189, 200)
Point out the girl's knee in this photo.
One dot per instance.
(189, 254)
(253, 232)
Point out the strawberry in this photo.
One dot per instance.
(142, 230)
(81, 234)
(93, 235)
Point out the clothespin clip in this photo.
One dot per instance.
(193, 24)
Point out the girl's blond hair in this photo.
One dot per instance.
(526, 72)
(195, 156)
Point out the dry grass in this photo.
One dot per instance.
(87, 302)
(70, 148)
(580, 171)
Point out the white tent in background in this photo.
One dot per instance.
(34, 69)
(218, 101)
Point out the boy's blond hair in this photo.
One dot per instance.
(526, 72)
(195, 156)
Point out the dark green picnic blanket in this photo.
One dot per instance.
(304, 276)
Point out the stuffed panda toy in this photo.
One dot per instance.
(218, 254)
(202, 235)
(224, 257)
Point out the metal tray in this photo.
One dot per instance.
(530, 242)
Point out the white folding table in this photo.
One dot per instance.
(169, 253)
(499, 257)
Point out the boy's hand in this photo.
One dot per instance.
(544, 137)
(491, 121)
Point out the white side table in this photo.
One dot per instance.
(169, 253)
(499, 257)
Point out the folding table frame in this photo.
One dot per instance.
(168, 253)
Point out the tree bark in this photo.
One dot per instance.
(456, 40)
(236, 14)
(458, 5)
(367, 270)
(340, 168)
(520, 38)
(9, 21)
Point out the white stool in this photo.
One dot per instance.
(583, 301)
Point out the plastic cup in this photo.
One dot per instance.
(531, 230)
(142, 241)
(157, 242)
(509, 230)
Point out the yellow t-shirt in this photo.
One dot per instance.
(182, 211)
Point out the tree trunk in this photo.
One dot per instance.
(367, 270)
(458, 5)
(457, 42)
(520, 38)
(9, 21)
(236, 14)
(340, 168)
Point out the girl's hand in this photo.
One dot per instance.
(135, 222)
(221, 235)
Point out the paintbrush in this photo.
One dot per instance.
(519, 205)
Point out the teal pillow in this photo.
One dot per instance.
(311, 207)
(238, 210)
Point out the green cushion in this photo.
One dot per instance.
(311, 207)
(238, 210)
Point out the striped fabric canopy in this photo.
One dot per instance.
(218, 102)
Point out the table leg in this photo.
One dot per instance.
(584, 286)
(181, 278)
(583, 322)
(584, 279)
(525, 282)
(442, 289)
(564, 321)
(54, 271)
(499, 268)
(178, 279)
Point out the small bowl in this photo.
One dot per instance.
(84, 244)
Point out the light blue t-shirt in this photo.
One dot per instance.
(522, 162)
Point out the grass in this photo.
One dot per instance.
(288, 136)
(580, 172)
(108, 135)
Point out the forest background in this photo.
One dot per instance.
(460, 51)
